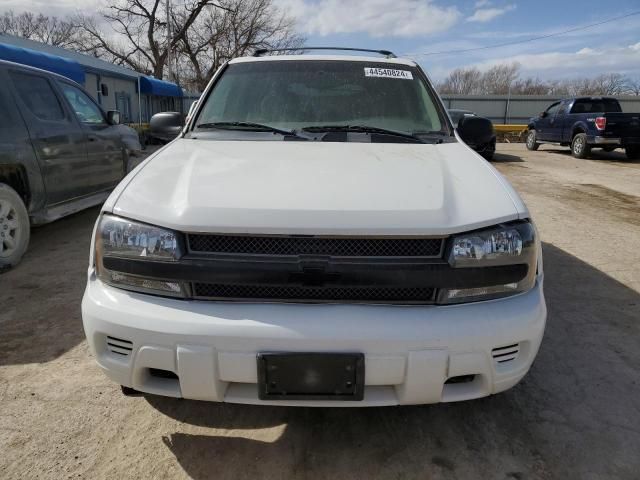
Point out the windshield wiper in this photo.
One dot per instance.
(363, 129)
(249, 126)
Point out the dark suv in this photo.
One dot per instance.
(59, 153)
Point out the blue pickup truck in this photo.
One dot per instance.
(584, 123)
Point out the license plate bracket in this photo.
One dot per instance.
(310, 376)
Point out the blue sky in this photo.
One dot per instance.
(412, 27)
(415, 27)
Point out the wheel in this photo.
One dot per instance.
(14, 227)
(633, 153)
(531, 141)
(579, 146)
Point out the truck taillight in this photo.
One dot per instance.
(601, 123)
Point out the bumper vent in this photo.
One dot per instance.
(335, 246)
(212, 291)
(119, 346)
(506, 354)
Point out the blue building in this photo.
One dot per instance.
(114, 87)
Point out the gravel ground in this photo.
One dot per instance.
(575, 416)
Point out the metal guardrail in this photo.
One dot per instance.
(517, 109)
(140, 128)
(510, 128)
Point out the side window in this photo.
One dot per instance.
(581, 106)
(553, 109)
(83, 106)
(563, 109)
(9, 124)
(6, 119)
(38, 95)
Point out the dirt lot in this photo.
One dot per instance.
(575, 416)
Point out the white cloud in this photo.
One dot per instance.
(482, 3)
(487, 14)
(60, 8)
(378, 18)
(586, 61)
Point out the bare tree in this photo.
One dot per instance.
(633, 86)
(502, 79)
(558, 88)
(531, 86)
(202, 34)
(610, 84)
(142, 41)
(462, 81)
(499, 79)
(605, 84)
(41, 28)
(235, 29)
(471, 81)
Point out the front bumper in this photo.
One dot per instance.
(410, 351)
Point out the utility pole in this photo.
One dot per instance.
(169, 56)
(506, 110)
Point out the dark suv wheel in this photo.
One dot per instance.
(14, 227)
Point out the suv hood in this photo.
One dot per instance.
(316, 188)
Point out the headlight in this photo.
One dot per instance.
(126, 239)
(503, 246)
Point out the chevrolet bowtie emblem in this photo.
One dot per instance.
(313, 277)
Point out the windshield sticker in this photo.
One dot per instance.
(387, 73)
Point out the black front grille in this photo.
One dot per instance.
(334, 246)
(215, 291)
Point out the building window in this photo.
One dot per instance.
(123, 105)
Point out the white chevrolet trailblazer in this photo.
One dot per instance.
(318, 235)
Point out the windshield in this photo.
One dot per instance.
(301, 94)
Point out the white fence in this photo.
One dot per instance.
(504, 109)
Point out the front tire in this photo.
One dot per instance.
(531, 142)
(632, 153)
(579, 146)
(14, 227)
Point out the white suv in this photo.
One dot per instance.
(318, 235)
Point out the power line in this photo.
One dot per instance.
(532, 39)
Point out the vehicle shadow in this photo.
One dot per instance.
(40, 297)
(579, 397)
(500, 157)
(617, 156)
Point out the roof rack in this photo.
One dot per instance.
(263, 51)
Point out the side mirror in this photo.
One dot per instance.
(475, 130)
(166, 126)
(113, 117)
(543, 114)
